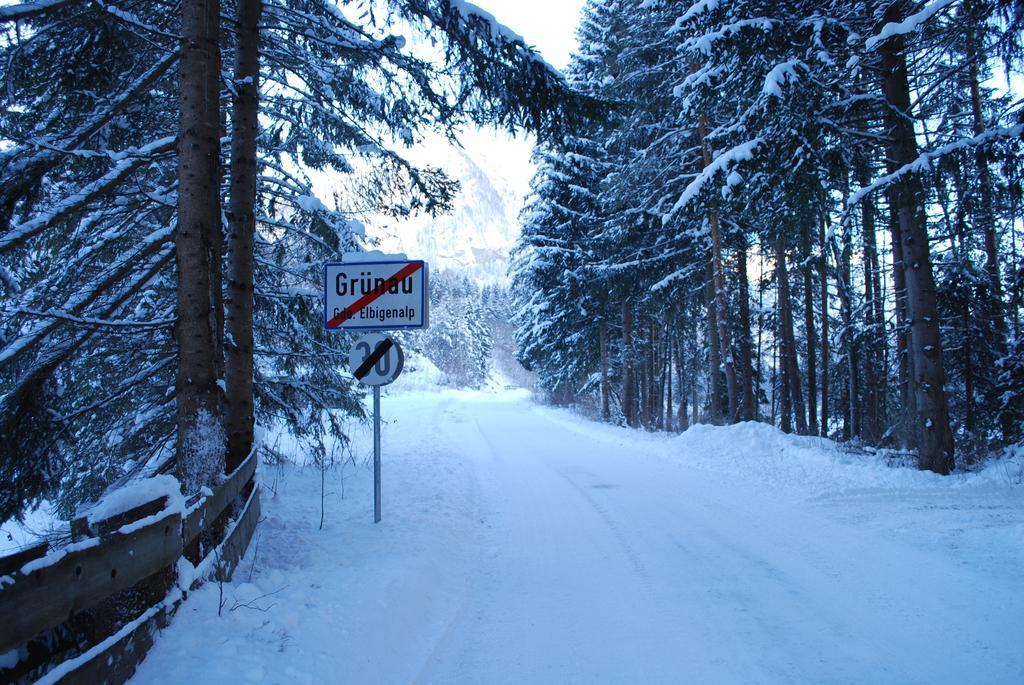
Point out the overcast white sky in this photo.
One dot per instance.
(548, 25)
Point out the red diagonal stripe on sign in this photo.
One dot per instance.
(350, 311)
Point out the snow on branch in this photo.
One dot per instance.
(706, 42)
(780, 75)
(130, 161)
(499, 30)
(908, 25)
(696, 9)
(923, 162)
(721, 163)
(88, 321)
(88, 293)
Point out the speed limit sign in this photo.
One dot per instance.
(376, 359)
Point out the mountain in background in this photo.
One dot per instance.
(476, 236)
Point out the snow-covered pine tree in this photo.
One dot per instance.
(563, 307)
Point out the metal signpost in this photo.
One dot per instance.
(376, 360)
(388, 294)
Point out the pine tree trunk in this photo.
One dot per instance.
(652, 383)
(606, 405)
(759, 374)
(213, 231)
(714, 351)
(874, 374)
(824, 328)
(199, 399)
(790, 367)
(668, 408)
(684, 419)
(628, 385)
(853, 403)
(718, 281)
(781, 397)
(744, 344)
(241, 236)
(934, 438)
(695, 417)
(812, 342)
(722, 319)
(904, 376)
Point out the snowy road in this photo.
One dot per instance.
(522, 545)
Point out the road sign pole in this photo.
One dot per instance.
(376, 454)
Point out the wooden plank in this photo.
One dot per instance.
(214, 505)
(10, 564)
(233, 548)
(115, 660)
(81, 528)
(82, 578)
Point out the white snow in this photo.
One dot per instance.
(310, 203)
(522, 544)
(136, 494)
(721, 163)
(780, 75)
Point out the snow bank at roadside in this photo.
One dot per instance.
(763, 453)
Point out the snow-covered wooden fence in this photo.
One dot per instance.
(87, 612)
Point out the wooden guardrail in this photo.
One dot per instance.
(43, 592)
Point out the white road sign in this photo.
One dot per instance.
(381, 295)
(376, 359)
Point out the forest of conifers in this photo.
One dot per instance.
(804, 212)
(798, 211)
(161, 239)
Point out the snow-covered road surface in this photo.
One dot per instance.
(522, 545)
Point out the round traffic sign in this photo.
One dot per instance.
(376, 359)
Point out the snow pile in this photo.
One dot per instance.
(758, 452)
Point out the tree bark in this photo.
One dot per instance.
(606, 405)
(242, 237)
(790, 366)
(748, 406)
(718, 281)
(628, 385)
(714, 350)
(824, 328)
(874, 389)
(668, 408)
(200, 445)
(934, 438)
(852, 427)
(812, 342)
(904, 376)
